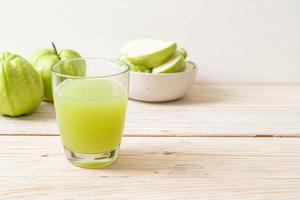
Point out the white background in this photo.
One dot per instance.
(232, 41)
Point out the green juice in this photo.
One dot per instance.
(90, 114)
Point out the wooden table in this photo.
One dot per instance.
(219, 142)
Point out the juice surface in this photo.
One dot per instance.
(90, 114)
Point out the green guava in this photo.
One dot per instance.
(21, 87)
(44, 59)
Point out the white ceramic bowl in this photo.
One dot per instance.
(161, 87)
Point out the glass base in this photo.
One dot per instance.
(98, 160)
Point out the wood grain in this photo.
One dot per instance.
(208, 110)
(34, 167)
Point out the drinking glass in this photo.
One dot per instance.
(90, 98)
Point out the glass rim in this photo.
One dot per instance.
(118, 61)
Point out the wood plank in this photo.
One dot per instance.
(207, 110)
(34, 167)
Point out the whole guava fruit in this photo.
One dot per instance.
(21, 87)
(44, 59)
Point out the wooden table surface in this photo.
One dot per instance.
(219, 142)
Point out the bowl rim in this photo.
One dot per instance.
(169, 74)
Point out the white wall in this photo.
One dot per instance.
(232, 41)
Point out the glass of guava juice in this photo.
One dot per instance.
(90, 98)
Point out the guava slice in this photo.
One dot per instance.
(175, 64)
(183, 52)
(148, 52)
